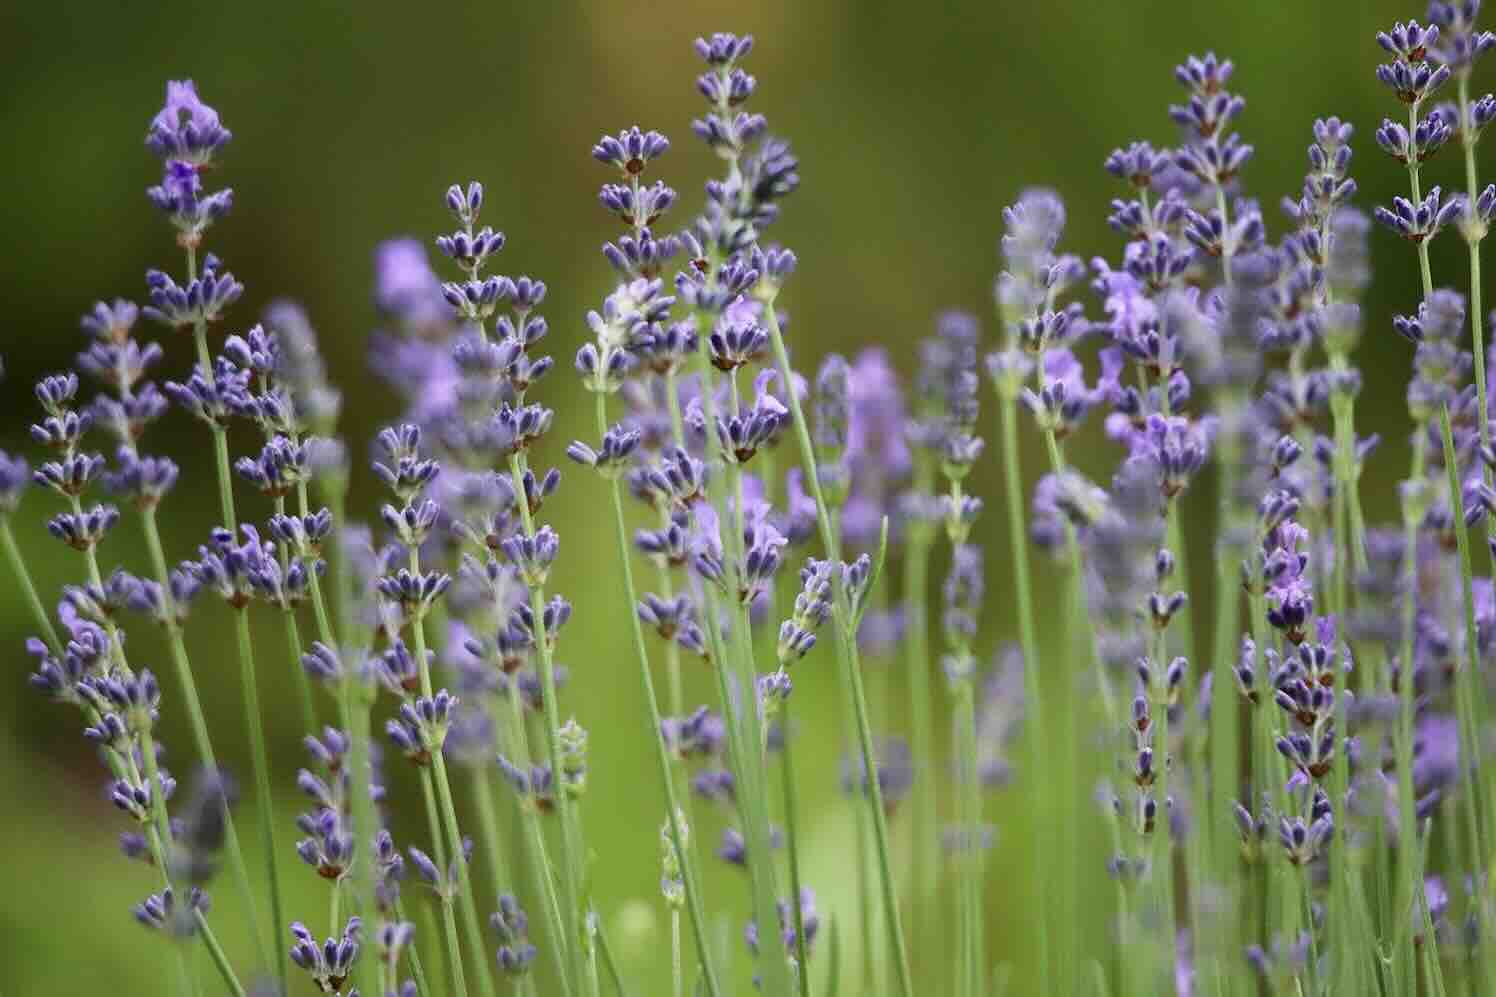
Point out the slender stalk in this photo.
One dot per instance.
(355, 699)
(488, 821)
(1409, 855)
(439, 852)
(846, 641)
(198, 723)
(925, 827)
(1013, 499)
(1423, 265)
(1475, 233)
(677, 838)
(739, 704)
(965, 737)
(438, 774)
(246, 660)
(677, 973)
(17, 565)
(541, 864)
(1465, 692)
(417, 970)
(186, 986)
(261, 762)
(1340, 919)
(469, 908)
(303, 684)
(1224, 708)
(220, 959)
(791, 823)
(570, 861)
(609, 963)
(293, 639)
(1473, 240)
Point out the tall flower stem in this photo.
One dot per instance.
(1225, 716)
(1473, 238)
(739, 704)
(253, 719)
(1475, 233)
(926, 831)
(1079, 614)
(1341, 920)
(1034, 729)
(448, 813)
(791, 821)
(488, 821)
(293, 640)
(197, 721)
(677, 837)
(846, 645)
(1465, 691)
(18, 569)
(261, 762)
(219, 957)
(1409, 854)
(970, 838)
(445, 899)
(356, 699)
(571, 869)
(541, 868)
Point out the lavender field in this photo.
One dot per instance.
(801, 499)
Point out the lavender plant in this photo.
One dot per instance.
(1300, 808)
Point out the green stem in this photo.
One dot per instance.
(917, 666)
(355, 700)
(1340, 917)
(438, 773)
(970, 853)
(570, 861)
(541, 863)
(261, 761)
(303, 683)
(677, 838)
(1465, 691)
(1034, 730)
(464, 879)
(1409, 855)
(1224, 707)
(198, 723)
(677, 972)
(246, 665)
(739, 707)
(1473, 239)
(488, 821)
(28, 590)
(609, 963)
(1423, 265)
(791, 825)
(846, 641)
(417, 971)
(454, 951)
(220, 959)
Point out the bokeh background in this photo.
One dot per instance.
(915, 124)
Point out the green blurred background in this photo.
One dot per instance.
(915, 124)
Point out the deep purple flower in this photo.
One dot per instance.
(202, 300)
(631, 151)
(512, 926)
(186, 129)
(331, 962)
(1455, 41)
(1421, 221)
